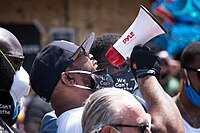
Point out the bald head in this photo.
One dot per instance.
(11, 58)
(9, 44)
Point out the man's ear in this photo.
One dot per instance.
(107, 129)
(66, 79)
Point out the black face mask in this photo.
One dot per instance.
(6, 74)
(125, 80)
(98, 79)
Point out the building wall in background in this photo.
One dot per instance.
(84, 16)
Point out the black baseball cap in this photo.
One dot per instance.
(52, 61)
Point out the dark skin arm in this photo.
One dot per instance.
(166, 117)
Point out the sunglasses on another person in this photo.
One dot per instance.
(194, 70)
(142, 126)
(116, 127)
(14, 61)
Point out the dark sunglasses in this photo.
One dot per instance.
(80, 50)
(194, 70)
(15, 62)
(142, 126)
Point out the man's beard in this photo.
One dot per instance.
(88, 81)
(6, 74)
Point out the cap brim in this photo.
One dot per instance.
(85, 45)
(15, 56)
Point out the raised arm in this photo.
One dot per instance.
(165, 114)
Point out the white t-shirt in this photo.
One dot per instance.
(70, 121)
(189, 129)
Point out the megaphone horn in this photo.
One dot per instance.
(144, 28)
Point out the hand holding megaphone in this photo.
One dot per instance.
(144, 62)
(144, 28)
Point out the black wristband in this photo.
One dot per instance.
(145, 72)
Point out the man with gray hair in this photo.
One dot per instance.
(109, 108)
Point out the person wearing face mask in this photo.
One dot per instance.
(188, 100)
(122, 76)
(65, 75)
(13, 78)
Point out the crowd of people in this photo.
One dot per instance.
(77, 90)
(75, 78)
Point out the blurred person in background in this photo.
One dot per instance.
(169, 73)
(48, 123)
(36, 108)
(170, 68)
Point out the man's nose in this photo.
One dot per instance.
(94, 62)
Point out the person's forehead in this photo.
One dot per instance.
(197, 58)
(136, 117)
(195, 63)
(134, 110)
